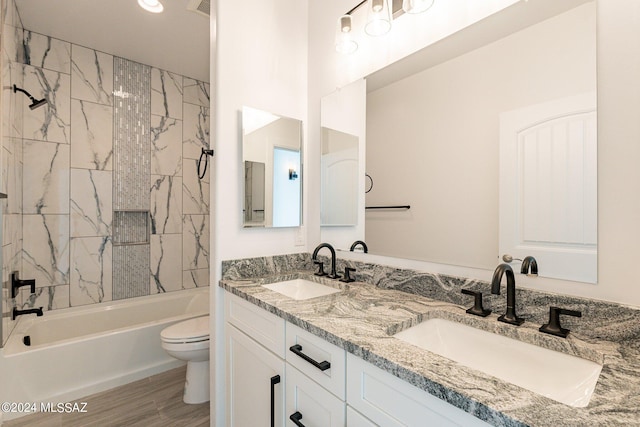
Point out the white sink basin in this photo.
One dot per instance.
(300, 289)
(558, 376)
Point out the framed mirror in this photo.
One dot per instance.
(272, 164)
(433, 134)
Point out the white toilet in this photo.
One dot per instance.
(189, 340)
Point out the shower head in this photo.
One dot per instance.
(35, 103)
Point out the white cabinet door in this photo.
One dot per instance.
(255, 383)
(388, 401)
(309, 404)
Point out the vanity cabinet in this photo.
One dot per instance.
(277, 369)
(311, 376)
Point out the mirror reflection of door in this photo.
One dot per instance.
(339, 174)
(286, 187)
(254, 193)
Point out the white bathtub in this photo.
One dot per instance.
(79, 351)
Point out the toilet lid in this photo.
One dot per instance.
(189, 330)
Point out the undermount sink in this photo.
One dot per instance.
(301, 289)
(565, 378)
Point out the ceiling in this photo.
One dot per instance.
(176, 40)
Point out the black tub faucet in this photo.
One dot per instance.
(16, 312)
(529, 263)
(361, 243)
(16, 284)
(314, 257)
(510, 316)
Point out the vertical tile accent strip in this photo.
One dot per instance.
(131, 271)
(132, 141)
(131, 178)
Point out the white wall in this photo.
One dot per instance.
(261, 62)
(433, 138)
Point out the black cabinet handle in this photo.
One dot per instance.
(296, 417)
(274, 380)
(297, 349)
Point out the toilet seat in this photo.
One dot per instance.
(190, 331)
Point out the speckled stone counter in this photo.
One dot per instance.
(364, 316)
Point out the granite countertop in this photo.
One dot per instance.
(363, 317)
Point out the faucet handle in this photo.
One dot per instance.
(553, 327)
(320, 265)
(477, 308)
(347, 278)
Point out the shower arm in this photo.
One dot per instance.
(17, 89)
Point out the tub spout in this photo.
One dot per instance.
(16, 312)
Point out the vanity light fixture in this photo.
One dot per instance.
(416, 6)
(378, 18)
(153, 6)
(344, 38)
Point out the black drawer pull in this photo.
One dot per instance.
(296, 417)
(297, 349)
(274, 380)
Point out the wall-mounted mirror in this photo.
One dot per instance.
(433, 134)
(271, 155)
(339, 178)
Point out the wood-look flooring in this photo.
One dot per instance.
(155, 401)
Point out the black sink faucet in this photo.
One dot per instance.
(314, 257)
(529, 263)
(16, 312)
(510, 316)
(361, 243)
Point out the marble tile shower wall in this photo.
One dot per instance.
(65, 156)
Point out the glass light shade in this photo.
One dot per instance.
(344, 40)
(151, 5)
(378, 18)
(416, 6)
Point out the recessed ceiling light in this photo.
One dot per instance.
(151, 5)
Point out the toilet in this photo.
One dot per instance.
(189, 341)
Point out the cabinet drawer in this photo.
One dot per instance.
(356, 419)
(387, 400)
(264, 327)
(312, 350)
(310, 404)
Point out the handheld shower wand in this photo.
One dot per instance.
(205, 153)
(35, 103)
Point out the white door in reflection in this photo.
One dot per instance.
(286, 187)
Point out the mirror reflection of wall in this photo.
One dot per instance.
(339, 178)
(271, 154)
(433, 138)
(254, 193)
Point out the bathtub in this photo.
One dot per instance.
(79, 351)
